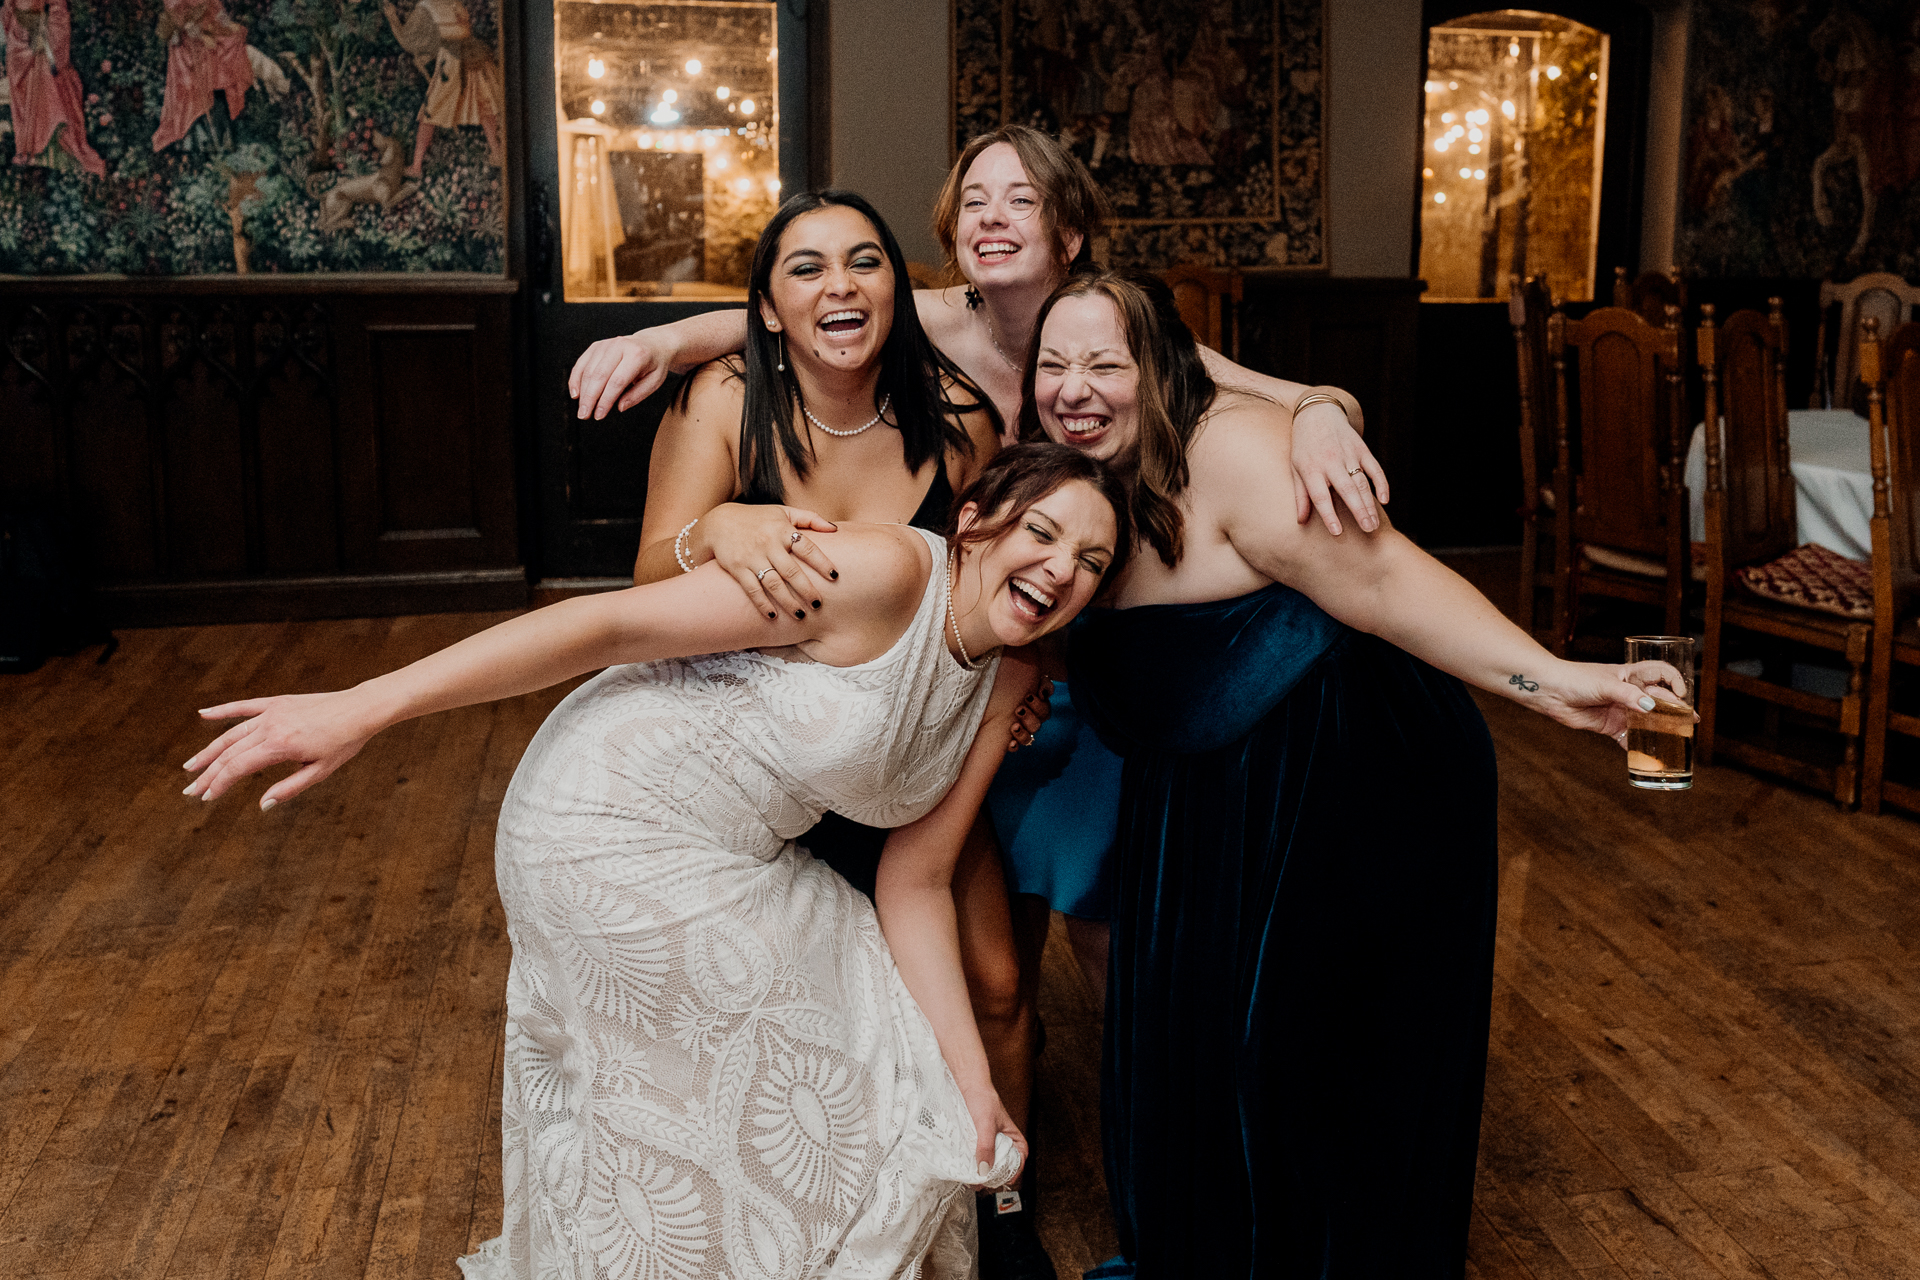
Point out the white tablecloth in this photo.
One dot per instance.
(1832, 474)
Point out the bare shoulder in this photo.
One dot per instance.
(717, 382)
(1243, 438)
(941, 310)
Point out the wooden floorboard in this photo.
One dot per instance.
(236, 1046)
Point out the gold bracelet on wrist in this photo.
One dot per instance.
(1317, 397)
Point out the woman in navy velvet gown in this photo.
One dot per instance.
(1305, 862)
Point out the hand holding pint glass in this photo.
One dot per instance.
(1660, 741)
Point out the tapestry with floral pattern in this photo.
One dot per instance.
(1203, 122)
(178, 137)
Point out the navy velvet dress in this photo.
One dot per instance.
(1303, 943)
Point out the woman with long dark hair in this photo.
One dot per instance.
(837, 408)
(1305, 858)
(721, 1061)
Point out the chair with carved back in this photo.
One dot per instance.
(1892, 374)
(1650, 294)
(1768, 601)
(1881, 295)
(1203, 295)
(1528, 305)
(1618, 454)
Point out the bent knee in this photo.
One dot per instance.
(994, 988)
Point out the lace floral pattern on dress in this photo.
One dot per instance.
(713, 1068)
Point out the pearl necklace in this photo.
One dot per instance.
(857, 430)
(953, 562)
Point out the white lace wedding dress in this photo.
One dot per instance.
(713, 1068)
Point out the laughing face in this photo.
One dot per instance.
(1002, 237)
(1086, 386)
(831, 292)
(1036, 576)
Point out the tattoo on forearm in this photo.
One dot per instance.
(1531, 686)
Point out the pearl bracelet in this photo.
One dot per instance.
(680, 546)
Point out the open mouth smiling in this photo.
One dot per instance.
(1082, 427)
(990, 251)
(1029, 601)
(844, 322)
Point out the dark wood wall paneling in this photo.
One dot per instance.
(262, 448)
(1359, 334)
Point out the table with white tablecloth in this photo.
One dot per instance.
(1832, 480)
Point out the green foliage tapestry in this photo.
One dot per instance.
(180, 137)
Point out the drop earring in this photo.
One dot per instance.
(780, 340)
(973, 298)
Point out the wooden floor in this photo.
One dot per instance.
(246, 1045)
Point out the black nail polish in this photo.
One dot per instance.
(773, 615)
(835, 575)
(800, 614)
(816, 604)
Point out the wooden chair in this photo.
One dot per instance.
(1885, 297)
(1651, 294)
(1750, 511)
(1892, 376)
(1202, 295)
(1624, 534)
(1528, 305)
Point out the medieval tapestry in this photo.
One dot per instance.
(174, 137)
(1802, 139)
(1203, 121)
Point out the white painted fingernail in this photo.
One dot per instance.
(1646, 704)
(267, 804)
(985, 1168)
(187, 790)
(187, 765)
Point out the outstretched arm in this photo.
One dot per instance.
(699, 612)
(914, 897)
(1329, 459)
(1383, 584)
(618, 373)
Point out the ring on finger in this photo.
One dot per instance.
(763, 573)
(793, 537)
(1354, 471)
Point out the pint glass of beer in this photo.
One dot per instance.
(1660, 742)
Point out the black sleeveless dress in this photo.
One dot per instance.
(849, 847)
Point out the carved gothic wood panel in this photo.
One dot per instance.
(233, 453)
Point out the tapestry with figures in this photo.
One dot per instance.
(178, 137)
(1203, 122)
(1802, 139)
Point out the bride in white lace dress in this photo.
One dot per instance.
(721, 1060)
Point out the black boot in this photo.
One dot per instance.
(1010, 1248)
